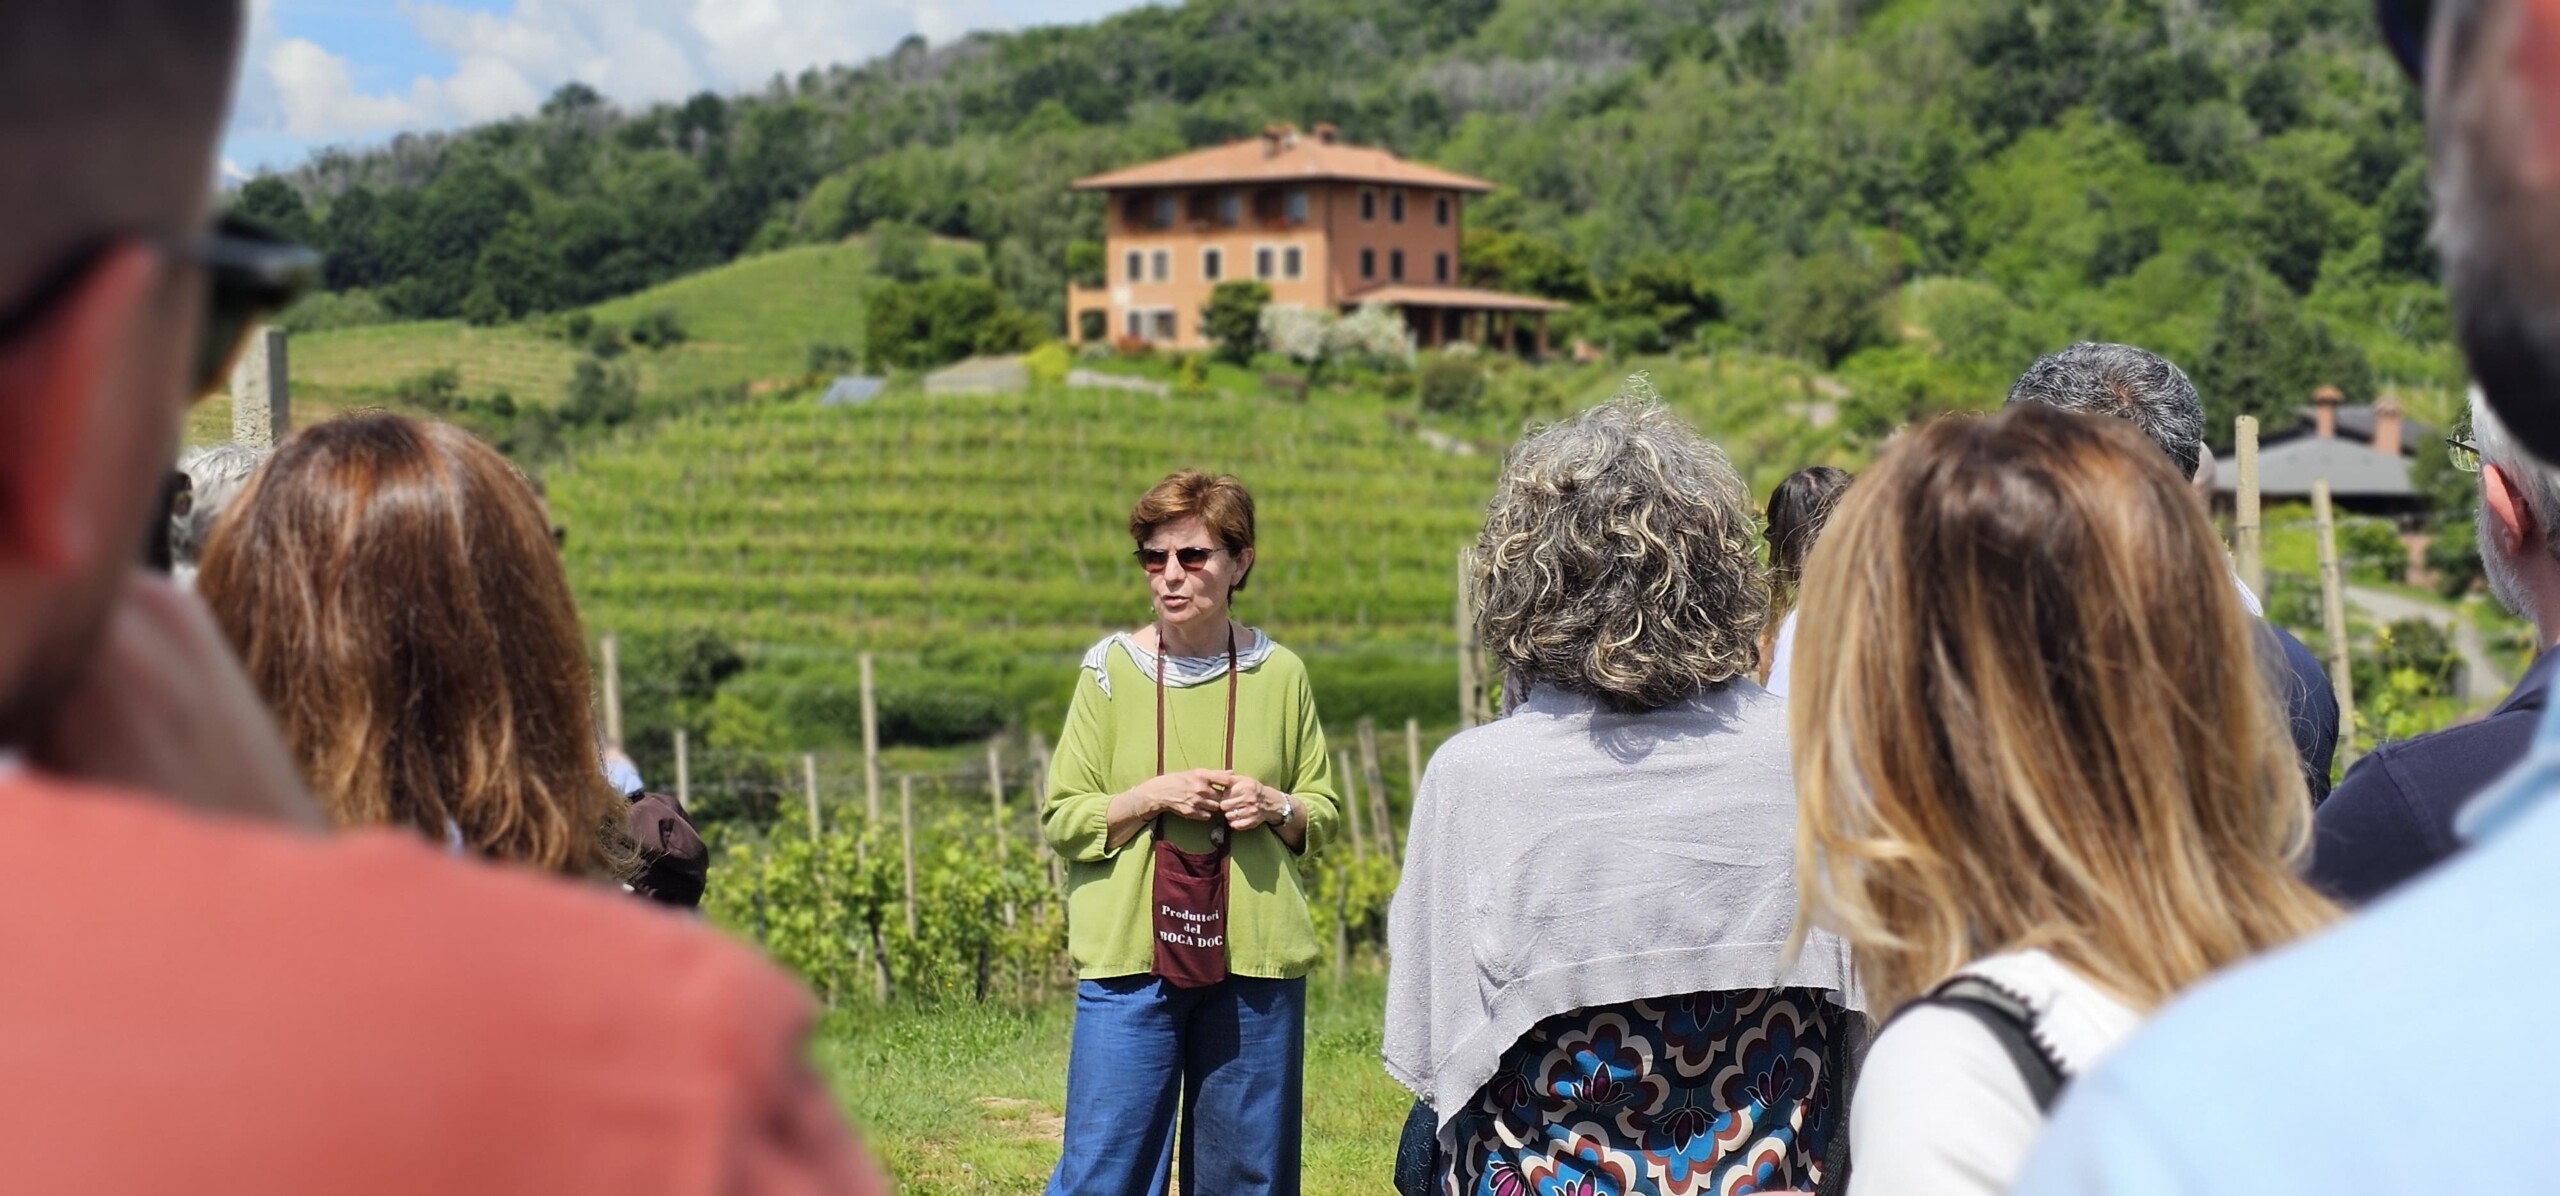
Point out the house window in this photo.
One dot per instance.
(1262, 262)
(1133, 210)
(1439, 267)
(1395, 205)
(1163, 264)
(1231, 208)
(1137, 266)
(1292, 263)
(1296, 204)
(1164, 211)
(1164, 325)
(1137, 324)
(1395, 264)
(1212, 264)
(1368, 203)
(1440, 209)
(1368, 263)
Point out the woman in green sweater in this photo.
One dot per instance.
(1189, 787)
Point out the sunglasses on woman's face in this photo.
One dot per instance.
(1154, 559)
(250, 274)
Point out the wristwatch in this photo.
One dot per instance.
(1288, 810)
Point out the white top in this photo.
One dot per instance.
(1940, 1108)
(1783, 656)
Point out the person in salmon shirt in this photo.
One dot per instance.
(202, 991)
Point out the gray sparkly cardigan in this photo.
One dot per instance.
(1566, 856)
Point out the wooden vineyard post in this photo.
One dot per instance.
(907, 843)
(1040, 798)
(809, 784)
(1350, 805)
(1412, 761)
(1470, 687)
(870, 745)
(684, 774)
(2333, 618)
(1374, 779)
(2248, 551)
(261, 390)
(995, 796)
(610, 648)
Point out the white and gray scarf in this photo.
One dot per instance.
(1180, 672)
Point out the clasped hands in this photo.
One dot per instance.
(1208, 794)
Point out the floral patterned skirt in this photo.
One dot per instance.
(1708, 1094)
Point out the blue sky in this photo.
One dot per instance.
(355, 72)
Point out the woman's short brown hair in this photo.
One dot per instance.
(1219, 500)
(393, 586)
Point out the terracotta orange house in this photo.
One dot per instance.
(1323, 223)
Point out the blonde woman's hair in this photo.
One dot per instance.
(2028, 711)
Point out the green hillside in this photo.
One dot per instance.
(752, 321)
(978, 543)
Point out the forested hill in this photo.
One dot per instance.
(2233, 183)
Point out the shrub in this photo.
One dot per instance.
(605, 341)
(600, 394)
(898, 251)
(659, 329)
(920, 325)
(1828, 306)
(1451, 382)
(435, 391)
(1049, 363)
(1191, 376)
(1233, 317)
(830, 359)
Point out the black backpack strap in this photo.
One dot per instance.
(1847, 1051)
(2012, 1025)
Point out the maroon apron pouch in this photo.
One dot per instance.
(1190, 916)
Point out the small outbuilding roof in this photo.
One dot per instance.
(2353, 469)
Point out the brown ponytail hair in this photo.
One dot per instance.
(393, 586)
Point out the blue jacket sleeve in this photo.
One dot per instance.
(2367, 839)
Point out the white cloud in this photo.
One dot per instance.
(635, 52)
(316, 94)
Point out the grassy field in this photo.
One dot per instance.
(969, 1099)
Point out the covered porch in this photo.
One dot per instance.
(1445, 315)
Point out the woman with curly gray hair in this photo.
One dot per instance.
(1589, 982)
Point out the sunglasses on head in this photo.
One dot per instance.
(1153, 559)
(250, 274)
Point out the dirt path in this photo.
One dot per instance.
(2482, 681)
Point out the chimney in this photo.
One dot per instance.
(2386, 425)
(1325, 132)
(2324, 412)
(1277, 137)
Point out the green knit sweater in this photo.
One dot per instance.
(1109, 747)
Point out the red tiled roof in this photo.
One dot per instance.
(1292, 157)
(1406, 294)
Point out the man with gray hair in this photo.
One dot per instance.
(2153, 394)
(2392, 817)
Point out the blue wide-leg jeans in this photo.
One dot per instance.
(1230, 1056)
